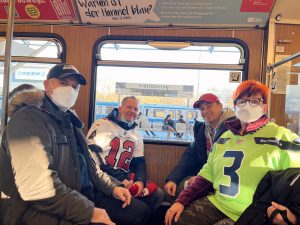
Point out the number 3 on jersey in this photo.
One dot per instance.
(120, 160)
(230, 171)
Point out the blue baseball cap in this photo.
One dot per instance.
(61, 71)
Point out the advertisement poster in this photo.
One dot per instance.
(175, 12)
(40, 10)
(245, 13)
(281, 77)
(256, 5)
(117, 11)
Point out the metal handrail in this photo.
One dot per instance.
(274, 65)
(7, 61)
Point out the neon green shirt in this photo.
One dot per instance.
(238, 163)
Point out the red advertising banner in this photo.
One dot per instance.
(256, 5)
(40, 10)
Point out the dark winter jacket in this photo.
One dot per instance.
(195, 156)
(40, 167)
(281, 187)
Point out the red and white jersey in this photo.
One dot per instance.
(118, 145)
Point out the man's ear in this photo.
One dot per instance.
(47, 87)
(46, 83)
(119, 109)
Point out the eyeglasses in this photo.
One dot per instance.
(252, 102)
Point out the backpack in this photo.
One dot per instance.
(281, 187)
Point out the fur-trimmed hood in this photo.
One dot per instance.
(24, 95)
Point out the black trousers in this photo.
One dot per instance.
(137, 213)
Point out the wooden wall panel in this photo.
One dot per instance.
(255, 41)
(291, 35)
(160, 160)
(81, 39)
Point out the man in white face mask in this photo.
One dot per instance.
(45, 165)
(62, 85)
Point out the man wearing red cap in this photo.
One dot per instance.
(205, 134)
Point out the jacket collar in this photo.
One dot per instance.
(113, 116)
(235, 125)
(59, 115)
(25, 97)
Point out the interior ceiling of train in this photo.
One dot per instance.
(286, 11)
(155, 13)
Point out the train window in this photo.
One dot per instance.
(1, 81)
(32, 58)
(109, 109)
(185, 52)
(171, 112)
(159, 113)
(98, 109)
(34, 47)
(147, 112)
(192, 115)
(168, 76)
(178, 114)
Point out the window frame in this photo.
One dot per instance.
(29, 59)
(96, 59)
(38, 36)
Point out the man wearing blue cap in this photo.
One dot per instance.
(205, 134)
(46, 168)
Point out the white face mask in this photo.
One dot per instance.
(64, 97)
(248, 113)
(123, 119)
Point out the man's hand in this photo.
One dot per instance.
(278, 218)
(175, 210)
(171, 187)
(189, 181)
(100, 216)
(140, 184)
(127, 183)
(123, 195)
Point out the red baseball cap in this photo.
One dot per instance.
(208, 97)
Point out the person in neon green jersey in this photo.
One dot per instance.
(240, 158)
